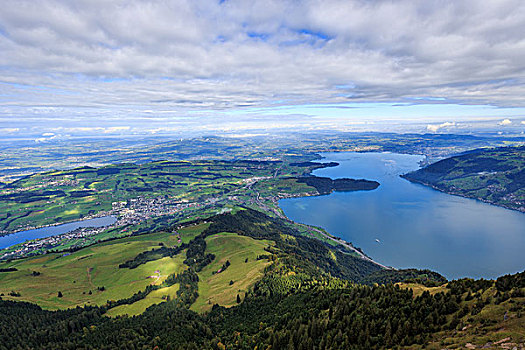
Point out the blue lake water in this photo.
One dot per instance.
(22, 236)
(416, 225)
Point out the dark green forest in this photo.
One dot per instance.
(325, 185)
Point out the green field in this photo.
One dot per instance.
(90, 268)
(156, 297)
(154, 188)
(216, 288)
(290, 186)
(145, 198)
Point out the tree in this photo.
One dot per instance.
(60, 294)
(238, 299)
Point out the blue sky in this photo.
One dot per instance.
(146, 67)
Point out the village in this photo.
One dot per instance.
(127, 213)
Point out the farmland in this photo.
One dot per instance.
(25, 158)
(148, 198)
(154, 189)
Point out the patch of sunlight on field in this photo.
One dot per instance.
(418, 289)
(156, 297)
(71, 212)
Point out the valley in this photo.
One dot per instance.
(210, 243)
(262, 175)
(278, 283)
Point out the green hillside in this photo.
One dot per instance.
(245, 280)
(81, 275)
(129, 265)
(494, 175)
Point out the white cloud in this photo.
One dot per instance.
(97, 57)
(46, 139)
(523, 122)
(116, 129)
(436, 127)
(505, 122)
(48, 134)
(81, 129)
(9, 130)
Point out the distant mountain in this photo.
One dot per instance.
(496, 176)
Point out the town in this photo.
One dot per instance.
(128, 214)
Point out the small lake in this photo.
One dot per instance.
(415, 225)
(22, 236)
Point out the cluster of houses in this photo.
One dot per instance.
(30, 247)
(130, 212)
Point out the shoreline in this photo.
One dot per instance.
(344, 243)
(56, 224)
(434, 187)
(338, 240)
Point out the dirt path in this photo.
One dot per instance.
(88, 270)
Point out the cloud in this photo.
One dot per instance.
(523, 122)
(114, 60)
(505, 122)
(46, 139)
(117, 128)
(81, 129)
(436, 127)
(9, 130)
(48, 134)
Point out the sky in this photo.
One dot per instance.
(94, 67)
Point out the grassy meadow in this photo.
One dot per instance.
(156, 297)
(91, 276)
(90, 269)
(244, 269)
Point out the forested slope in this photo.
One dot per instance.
(307, 298)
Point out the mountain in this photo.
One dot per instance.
(496, 176)
(244, 280)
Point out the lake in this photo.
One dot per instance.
(416, 226)
(22, 236)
